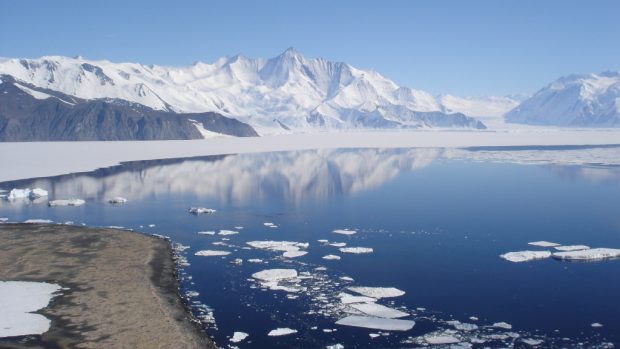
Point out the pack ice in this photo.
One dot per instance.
(376, 323)
(592, 254)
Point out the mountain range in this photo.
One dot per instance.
(573, 101)
(286, 93)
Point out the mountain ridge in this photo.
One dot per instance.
(286, 91)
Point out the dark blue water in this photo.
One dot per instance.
(436, 226)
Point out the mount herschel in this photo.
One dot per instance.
(287, 92)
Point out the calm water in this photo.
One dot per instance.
(436, 225)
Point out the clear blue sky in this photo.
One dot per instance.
(460, 47)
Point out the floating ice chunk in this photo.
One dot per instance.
(593, 254)
(373, 335)
(117, 200)
(441, 339)
(346, 278)
(323, 241)
(18, 301)
(346, 298)
(376, 323)
(38, 221)
(227, 232)
(532, 342)
(151, 225)
(331, 257)
(597, 325)
(201, 210)
(283, 246)
(335, 346)
(378, 310)
(338, 244)
(211, 253)
(463, 326)
(293, 254)
(275, 274)
(543, 244)
(473, 318)
(503, 325)
(281, 331)
(206, 233)
(255, 260)
(524, 256)
(238, 337)
(270, 225)
(67, 202)
(37, 193)
(17, 194)
(572, 248)
(377, 292)
(344, 231)
(356, 250)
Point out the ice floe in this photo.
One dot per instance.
(441, 339)
(344, 231)
(211, 253)
(117, 200)
(270, 225)
(346, 298)
(228, 232)
(206, 233)
(238, 337)
(532, 342)
(543, 244)
(66, 202)
(338, 244)
(572, 248)
(293, 254)
(18, 301)
(281, 331)
(275, 274)
(596, 325)
(593, 254)
(503, 325)
(335, 346)
(255, 260)
(378, 310)
(524, 256)
(356, 250)
(201, 210)
(331, 257)
(377, 292)
(376, 323)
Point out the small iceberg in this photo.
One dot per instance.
(344, 231)
(294, 254)
(376, 323)
(543, 244)
(593, 254)
(38, 221)
(206, 233)
(377, 292)
(211, 253)
(117, 200)
(66, 202)
(270, 225)
(201, 210)
(356, 250)
(281, 331)
(338, 244)
(503, 325)
(524, 256)
(32, 194)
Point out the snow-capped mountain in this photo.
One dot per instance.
(286, 92)
(575, 100)
(491, 106)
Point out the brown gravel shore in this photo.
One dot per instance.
(122, 287)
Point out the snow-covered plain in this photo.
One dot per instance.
(42, 159)
(18, 301)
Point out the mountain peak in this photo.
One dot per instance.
(291, 52)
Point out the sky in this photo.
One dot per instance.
(468, 48)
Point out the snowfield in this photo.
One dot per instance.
(18, 301)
